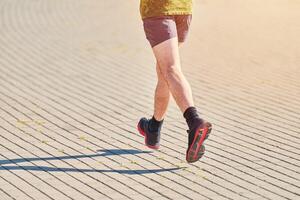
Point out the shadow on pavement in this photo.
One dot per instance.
(110, 152)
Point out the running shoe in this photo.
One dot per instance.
(151, 138)
(196, 148)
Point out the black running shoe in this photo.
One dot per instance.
(196, 147)
(151, 138)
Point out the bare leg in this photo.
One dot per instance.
(167, 56)
(162, 96)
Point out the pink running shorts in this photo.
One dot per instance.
(162, 28)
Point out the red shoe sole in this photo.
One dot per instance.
(196, 150)
(145, 135)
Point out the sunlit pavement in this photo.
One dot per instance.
(75, 77)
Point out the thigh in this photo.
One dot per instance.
(159, 29)
(167, 55)
(183, 23)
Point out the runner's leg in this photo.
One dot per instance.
(167, 56)
(162, 96)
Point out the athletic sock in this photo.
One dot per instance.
(192, 118)
(154, 125)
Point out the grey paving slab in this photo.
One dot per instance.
(75, 77)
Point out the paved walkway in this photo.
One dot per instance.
(75, 76)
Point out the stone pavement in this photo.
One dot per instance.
(75, 76)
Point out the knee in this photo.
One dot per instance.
(171, 71)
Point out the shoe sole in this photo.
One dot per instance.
(197, 149)
(145, 135)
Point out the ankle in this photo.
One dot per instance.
(192, 118)
(158, 119)
(155, 125)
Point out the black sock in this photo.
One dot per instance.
(192, 118)
(154, 125)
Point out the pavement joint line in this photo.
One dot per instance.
(42, 192)
(15, 187)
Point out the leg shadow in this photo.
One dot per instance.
(104, 152)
